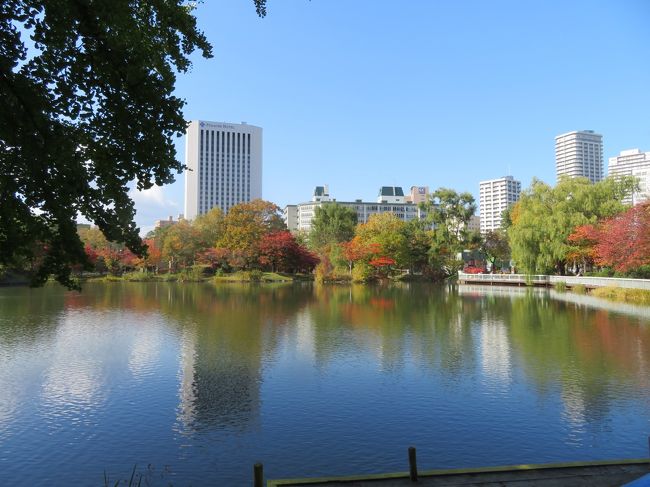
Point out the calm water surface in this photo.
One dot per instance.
(195, 383)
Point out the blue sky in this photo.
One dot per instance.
(359, 93)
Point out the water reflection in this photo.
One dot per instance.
(323, 365)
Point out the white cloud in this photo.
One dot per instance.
(152, 204)
(153, 196)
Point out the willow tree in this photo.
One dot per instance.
(87, 106)
(544, 217)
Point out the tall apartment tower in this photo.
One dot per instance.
(495, 196)
(632, 162)
(579, 154)
(224, 163)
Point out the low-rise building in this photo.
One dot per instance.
(167, 223)
(391, 200)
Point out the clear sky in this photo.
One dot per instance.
(363, 93)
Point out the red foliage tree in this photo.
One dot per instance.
(356, 250)
(382, 262)
(280, 251)
(624, 240)
(583, 243)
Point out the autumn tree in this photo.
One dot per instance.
(623, 241)
(210, 226)
(280, 251)
(582, 246)
(357, 250)
(246, 224)
(181, 245)
(387, 231)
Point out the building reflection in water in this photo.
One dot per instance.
(224, 340)
(496, 362)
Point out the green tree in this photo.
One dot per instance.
(87, 106)
(332, 224)
(495, 247)
(448, 212)
(544, 217)
(418, 245)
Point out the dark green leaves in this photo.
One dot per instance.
(86, 107)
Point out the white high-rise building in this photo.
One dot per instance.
(495, 196)
(632, 162)
(579, 154)
(225, 166)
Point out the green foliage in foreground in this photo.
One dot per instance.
(87, 107)
(637, 296)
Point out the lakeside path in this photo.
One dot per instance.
(599, 474)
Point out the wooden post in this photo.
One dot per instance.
(413, 466)
(258, 475)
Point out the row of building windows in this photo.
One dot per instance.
(224, 142)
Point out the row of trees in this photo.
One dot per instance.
(575, 225)
(251, 236)
(387, 244)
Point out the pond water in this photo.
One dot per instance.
(194, 383)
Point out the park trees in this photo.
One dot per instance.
(448, 212)
(87, 106)
(332, 224)
(388, 232)
(544, 217)
(244, 227)
(279, 251)
(621, 242)
(494, 245)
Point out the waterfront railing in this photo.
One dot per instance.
(546, 280)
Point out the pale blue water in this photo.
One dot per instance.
(196, 383)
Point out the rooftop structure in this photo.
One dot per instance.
(391, 194)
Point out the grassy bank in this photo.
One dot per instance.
(241, 276)
(637, 296)
(254, 276)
